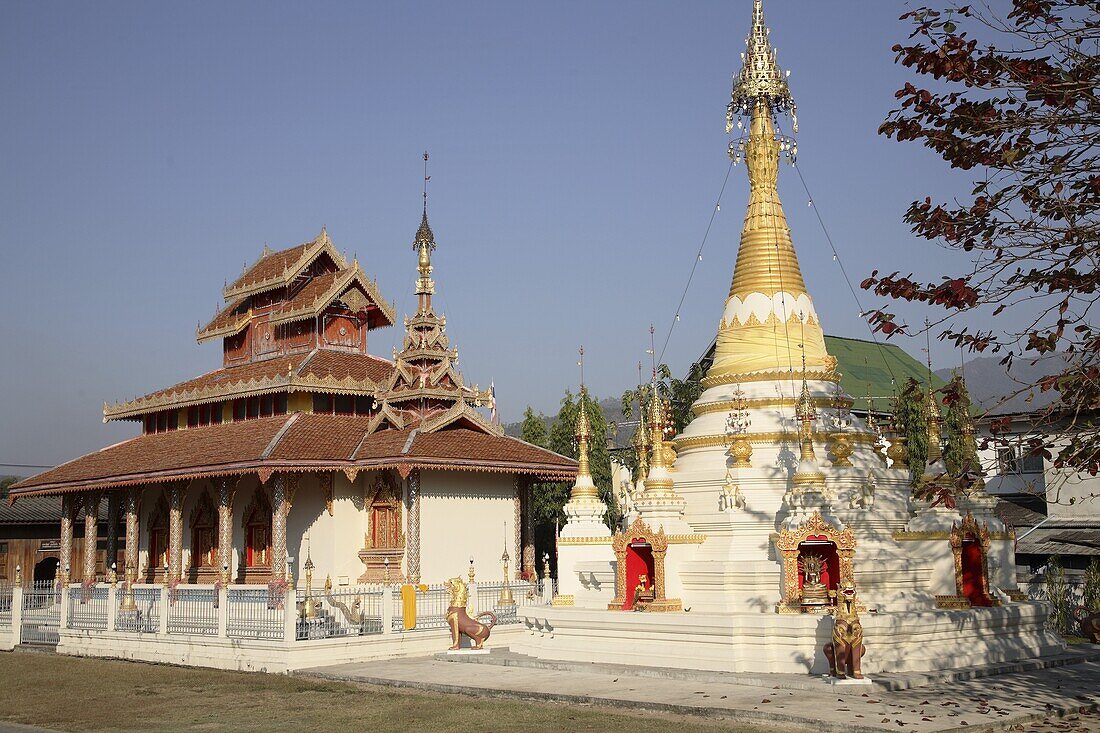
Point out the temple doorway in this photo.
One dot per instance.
(639, 562)
(46, 569)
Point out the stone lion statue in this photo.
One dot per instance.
(1089, 623)
(460, 622)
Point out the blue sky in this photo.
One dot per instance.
(151, 149)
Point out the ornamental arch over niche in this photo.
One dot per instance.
(203, 522)
(643, 550)
(970, 546)
(256, 521)
(815, 531)
(384, 536)
(158, 537)
(383, 504)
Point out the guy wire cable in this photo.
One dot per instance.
(698, 258)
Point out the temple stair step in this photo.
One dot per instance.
(505, 657)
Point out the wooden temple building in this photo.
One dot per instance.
(304, 443)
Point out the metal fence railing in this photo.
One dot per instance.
(431, 606)
(193, 610)
(488, 599)
(345, 611)
(88, 607)
(6, 592)
(41, 613)
(253, 613)
(144, 617)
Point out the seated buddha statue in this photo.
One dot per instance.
(814, 592)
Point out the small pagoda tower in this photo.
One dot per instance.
(426, 390)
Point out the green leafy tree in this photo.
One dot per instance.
(958, 449)
(1057, 590)
(551, 497)
(1008, 92)
(533, 429)
(680, 393)
(1091, 595)
(911, 420)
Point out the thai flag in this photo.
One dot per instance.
(493, 403)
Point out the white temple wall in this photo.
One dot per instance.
(309, 515)
(242, 498)
(347, 528)
(464, 514)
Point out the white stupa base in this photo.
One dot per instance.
(846, 681)
(466, 652)
(791, 644)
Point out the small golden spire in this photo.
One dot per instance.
(583, 433)
(656, 429)
(424, 244)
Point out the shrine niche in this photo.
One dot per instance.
(817, 560)
(384, 540)
(640, 570)
(970, 546)
(204, 540)
(158, 540)
(256, 521)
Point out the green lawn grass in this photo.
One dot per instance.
(77, 694)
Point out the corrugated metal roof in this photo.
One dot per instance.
(39, 510)
(878, 368)
(866, 366)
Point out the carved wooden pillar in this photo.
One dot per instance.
(112, 530)
(175, 532)
(91, 538)
(130, 509)
(412, 536)
(278, 526)
(68, 510)
(528, 529)
(517, 526)
(227, 488)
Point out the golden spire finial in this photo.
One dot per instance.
(656, 429)
(760, 79)
(424, 243)
(583, 433)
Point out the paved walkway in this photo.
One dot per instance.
(973, 705)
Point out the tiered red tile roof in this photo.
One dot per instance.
(452, 436)
(296, 442)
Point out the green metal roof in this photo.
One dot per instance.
(880, 369)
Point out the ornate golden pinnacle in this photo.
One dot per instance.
(583, 433)
(760, 78)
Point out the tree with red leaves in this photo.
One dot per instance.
(1013, 98)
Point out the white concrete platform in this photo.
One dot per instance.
(788, 644)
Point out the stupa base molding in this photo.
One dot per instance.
(923, 641)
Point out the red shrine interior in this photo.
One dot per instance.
(972, 572)
(639, 561)
(830, 572)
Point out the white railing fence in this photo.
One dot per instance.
(6, 594)
(41, 613)
(193, 610)
(344, 611)
(251, 611)
(255, 613)
(143, 616)
(87, 607)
